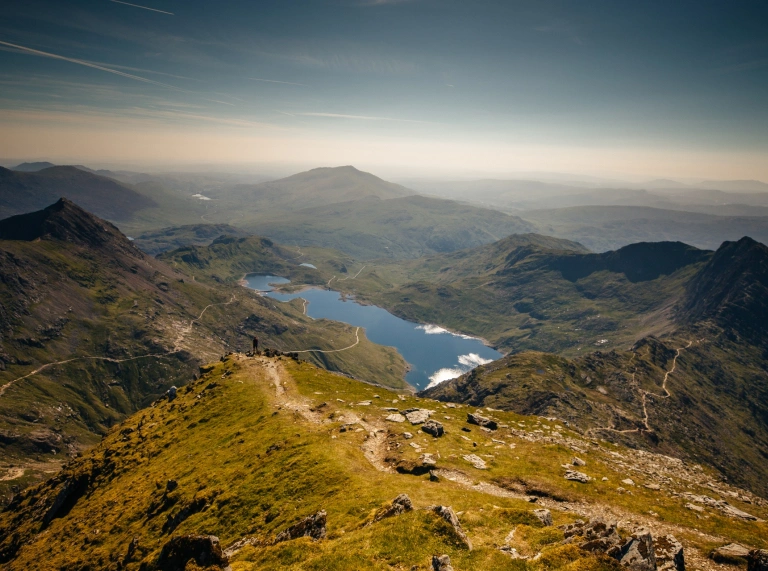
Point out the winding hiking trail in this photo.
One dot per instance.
(644, 394)
(183, 332)
(357, 340)
(328, 285)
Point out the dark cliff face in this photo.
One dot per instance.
(731, 290)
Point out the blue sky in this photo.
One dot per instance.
(673, 88)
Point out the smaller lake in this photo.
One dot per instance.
(434, 354)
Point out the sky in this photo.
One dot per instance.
(488, 87)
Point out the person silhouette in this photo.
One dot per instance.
(255, 344)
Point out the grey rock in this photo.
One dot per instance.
(312, 526)
(399, 505)
(433, 427)
(395, 417)
(441, 563)
(418, 416)
(727, 553)
(577, 476)
(476, 461)
(481, 421)
(757, 560)
(545, 516)
(669, 554)
(578, 461)
(638, 553)
(447, 513)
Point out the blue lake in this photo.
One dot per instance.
(434, 354)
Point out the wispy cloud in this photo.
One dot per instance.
(354, 117)
(276, 81)
(143, 7)
(91, 65)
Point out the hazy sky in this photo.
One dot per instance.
(668, 88)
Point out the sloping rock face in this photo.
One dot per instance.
(312, 526)
(669, 554)
(399, 505)
(204, 550)
(638, 554)
(447, 513)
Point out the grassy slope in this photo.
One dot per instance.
(68, 301)
(716, 412)
(258, 466)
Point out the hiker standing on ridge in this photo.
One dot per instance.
(255, 344)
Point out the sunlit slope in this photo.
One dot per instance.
(258, 444)
(93, 329)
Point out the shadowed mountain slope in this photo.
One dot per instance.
(27, 191)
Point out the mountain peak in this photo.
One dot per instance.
(732, 289)
(63, 221)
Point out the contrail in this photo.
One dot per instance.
(143, 7)
(92, 65)
(274, 80)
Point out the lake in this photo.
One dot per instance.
(434, 354)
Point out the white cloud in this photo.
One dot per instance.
(443, 375)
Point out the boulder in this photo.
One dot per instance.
(204, 550)
(577, 476)
(638, 553)
(312, 526)
(757, 560)
(669, 553)
(476, 461)
(399, 505)
(395, 417)
(731, 553)
(481, 421)
(447, 513)
(418, 416)
(578, 461)
(441, 563)
(433, 427)
(544, 516)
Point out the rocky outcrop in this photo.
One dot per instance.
(417, 416)
(479, 420)
(669, 554)
(544, 516)
(757, 560)
(312, 526)
(441, 563)
(731, 553)
(433, 427)
(447, 513)
(597, 536)
(399, 505)
(204, 550)
(638, 553)
(476, 461)
(577, 476)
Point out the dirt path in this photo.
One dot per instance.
(183, 332)
(357, 341)
(328, 285)
(644, 394)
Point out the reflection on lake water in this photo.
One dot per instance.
(434, 354)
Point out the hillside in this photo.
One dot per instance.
(32, 167)
(156, 242)
(397, 228)
(535, 292)
(92, 329)
(316, 187)
(699, 392)
(291, 467)
(603, 228)
(26, 191)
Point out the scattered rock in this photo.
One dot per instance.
(418, 416)
(476, 461)
(203, 549)
(597, 536)
(577, 476)
(694, 507)
(407, 435)
(312, 526)
(638, 553)
(399, 505)
(447, 513)
(757, 560)
(545, 516)
(512, 552)
(171, 393)
(628, 482)
(428, 460)
(433, 427)
(396, 417)
(731, 553)
(654, 487)
(578, 461)
(669, 554)
(441, 563)
(481, 421)
(433, 477)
